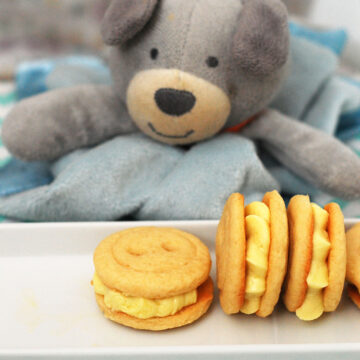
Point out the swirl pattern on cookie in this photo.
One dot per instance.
(153, 263)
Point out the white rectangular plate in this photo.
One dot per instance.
(48, 309)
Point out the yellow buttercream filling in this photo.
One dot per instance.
(318, 277)
(142, 308)
(257, 226)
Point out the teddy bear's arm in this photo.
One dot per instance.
(315, 156)
(48, 126)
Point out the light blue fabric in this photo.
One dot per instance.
(13, 174)
(349, 126)
(334, 40)
(36, 77)
(136, 176)
(313, 94)
(348, 131)
(336, 98)
(205, 176)
(311, 67)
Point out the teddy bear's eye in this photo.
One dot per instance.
(212, 61)
(154, 53)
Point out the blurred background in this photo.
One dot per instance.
(32, 29)
(36, 28)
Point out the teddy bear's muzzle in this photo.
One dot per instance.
(176, 107)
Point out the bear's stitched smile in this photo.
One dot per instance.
(189, 133)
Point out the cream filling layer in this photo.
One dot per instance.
(142, 308)
(318, 277)
(257, 227)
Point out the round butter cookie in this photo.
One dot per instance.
(353, 263)
(278, 254)
(152, 263)
(301, 227)
(337, 258)
(231, 255)
(184, 317)
(353, 256)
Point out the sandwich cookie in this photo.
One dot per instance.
(353, 263)
(251, 254)
(152, 278)
(317, 261)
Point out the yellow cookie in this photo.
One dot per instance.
(353, 256)
(337, 258)
(145, 274)
(230, 255)
(317, 262)
(251, 254)
(353, 263)
(301, 227)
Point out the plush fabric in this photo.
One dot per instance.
(206, 110)
(311, 67)
(17, 176)
(133, 175)
(125, 18)
(349, 126)
(178, 30)
(334, 39)
(197, 180)
(64, 120)
(200, 184)
(36, 77)
(313, 155)
(261, 44)
(7, 101)
(314, 94)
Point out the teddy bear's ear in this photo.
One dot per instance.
(125, 18)
(261, 42)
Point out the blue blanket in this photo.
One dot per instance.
(134, 176)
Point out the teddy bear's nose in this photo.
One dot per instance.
(174, 102)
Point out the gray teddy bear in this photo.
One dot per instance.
(184, 71)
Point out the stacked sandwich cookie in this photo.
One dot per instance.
(317, 261)
(152, 278)
(252, 255)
